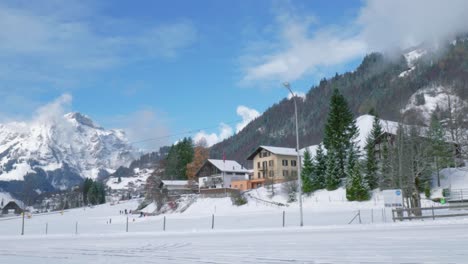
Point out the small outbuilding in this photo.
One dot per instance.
(11, 208)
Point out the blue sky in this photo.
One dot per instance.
(156, 68)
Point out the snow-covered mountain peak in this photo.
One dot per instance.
(61, 150)
(81, 119)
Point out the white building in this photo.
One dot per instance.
(220, 173)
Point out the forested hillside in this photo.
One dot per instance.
(385, 84)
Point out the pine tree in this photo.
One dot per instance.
(372, 167)
(320, 169)
(86, 187)
(339, 130)
(177, 159)
(332, 173)
(93, 194)
(439, 150)
(386, 180)
(306, 173)
(357, 188)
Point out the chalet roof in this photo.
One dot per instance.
(228, 166)
(274, 150)
(174, 183)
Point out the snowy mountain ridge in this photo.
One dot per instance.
(63, 149)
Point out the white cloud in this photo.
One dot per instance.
(247, 115)
(300, 52)
(298, 94)
(55, 110)
(225, 131)
(400, 24)
(147, 128)
(304, 46)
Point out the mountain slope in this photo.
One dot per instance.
(377, 83)
(58, 153)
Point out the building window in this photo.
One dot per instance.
(285, 173)
(264, 174)
(264, 164)
(258, 165)
(272, 174)
(259, 175)
(294, 173)
(271, 163)
(293, 163)
(285, 163)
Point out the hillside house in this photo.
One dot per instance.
(11, 208)
(271, 164)
(221, 173)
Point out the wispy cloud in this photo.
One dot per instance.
(147, 128)
(400, 24)
(301, 50)
(51, 45)
(302, 46)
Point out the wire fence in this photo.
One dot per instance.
(70, 223)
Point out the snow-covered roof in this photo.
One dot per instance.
(174, 183)
(228, 166)
(274, 150)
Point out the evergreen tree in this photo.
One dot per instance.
(332, 174)
(439, 150)
(386, 180)
(177, 159)
(93, 194)
(357, 188)
(119, 180)
(372, 167)
(306, 173)
(320, 169)
(339, 130)
(86, 187)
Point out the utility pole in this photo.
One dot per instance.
(299, 179)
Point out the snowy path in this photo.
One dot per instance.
(436, 242)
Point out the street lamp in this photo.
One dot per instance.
(299, 178)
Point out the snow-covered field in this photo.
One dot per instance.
(252, 233)
(431, 242)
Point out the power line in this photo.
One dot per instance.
(181, 133)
